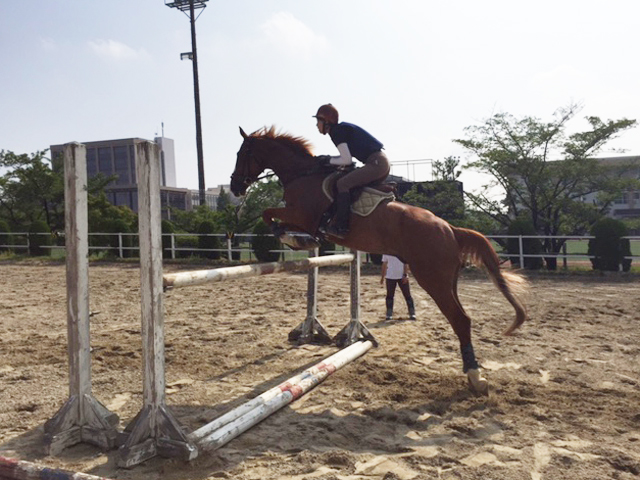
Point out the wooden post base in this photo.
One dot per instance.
(81, 419)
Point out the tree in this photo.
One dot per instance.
(447, 169)
(261, 195)
(443, 196)
(31, 191)
(223, 200)
(608, 247)
(521, 154)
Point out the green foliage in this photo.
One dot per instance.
(109, 219)
(167, 228)
(376, 258)
(520, 155)
(189, 221)
(530, 246)
(447, 169)
(443, 197)
(608, 247)
(223, 200)
(264, 242)
(261, 195)
(5, 235)
(186, 246)
(479, 221)
(207, 241)
(39, 239)
(115, 226)
(31, 190)
(326, 246)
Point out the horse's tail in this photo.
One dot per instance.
(477, 249)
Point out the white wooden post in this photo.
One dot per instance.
(312, 287)
(355, 286)
(355, 329)
(120, 249)
(311, 330)
(82, 418)
(154, 431)
(521, 247)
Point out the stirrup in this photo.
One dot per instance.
(335, 231)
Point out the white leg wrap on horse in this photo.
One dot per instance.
(477, 382)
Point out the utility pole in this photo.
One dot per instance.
(191, 6)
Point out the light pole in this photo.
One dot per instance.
(191, 6)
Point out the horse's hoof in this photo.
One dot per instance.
(477, 382)
(299, 241)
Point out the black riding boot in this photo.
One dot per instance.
(340, 227)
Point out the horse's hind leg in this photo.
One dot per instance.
(444, 293)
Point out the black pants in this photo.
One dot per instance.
(406, 292)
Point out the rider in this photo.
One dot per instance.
(352, 141)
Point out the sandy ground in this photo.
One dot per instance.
(564, 400)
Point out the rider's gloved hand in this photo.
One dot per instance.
(324, 160)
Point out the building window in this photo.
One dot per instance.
(132, 164)
(104, 161)
(123, 198)
(121, 163)
(92, 167)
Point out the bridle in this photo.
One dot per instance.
(244, 176)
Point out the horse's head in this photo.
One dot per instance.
(247, 166)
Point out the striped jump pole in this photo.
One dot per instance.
(12, 469)
(227, 427)
(200, 277)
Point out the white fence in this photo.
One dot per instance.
(126, 244)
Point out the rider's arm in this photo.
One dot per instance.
(345, 156)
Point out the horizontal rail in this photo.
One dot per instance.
(20, 470)
(200, 277)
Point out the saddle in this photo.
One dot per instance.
(364, 200)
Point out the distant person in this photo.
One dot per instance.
(395, 272)
(352, 141)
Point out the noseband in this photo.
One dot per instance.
(244, 176)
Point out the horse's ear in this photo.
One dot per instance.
(244, 135)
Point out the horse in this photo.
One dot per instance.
(435, 250)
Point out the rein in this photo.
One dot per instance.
(247, 179)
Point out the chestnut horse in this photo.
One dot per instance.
(434, 250)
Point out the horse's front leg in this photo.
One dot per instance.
(286, 224)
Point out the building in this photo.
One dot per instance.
(117, 158)
(628, 204)
(625, 206)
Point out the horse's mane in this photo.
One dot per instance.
(298, 144)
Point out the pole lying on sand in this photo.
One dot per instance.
(200, 277)
(20, 470)
(227, 427)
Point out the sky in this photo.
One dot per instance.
(414, 73)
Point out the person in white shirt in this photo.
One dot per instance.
(395, 272)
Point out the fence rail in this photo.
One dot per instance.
(126, 245)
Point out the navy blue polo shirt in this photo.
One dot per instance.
(360, 142)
